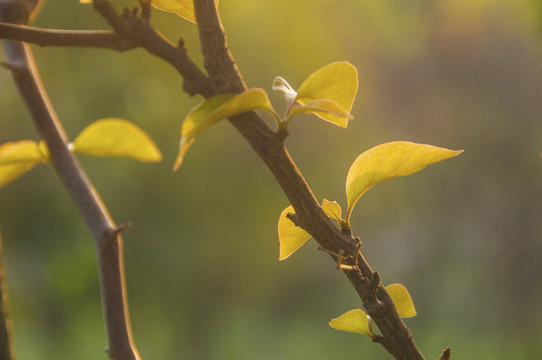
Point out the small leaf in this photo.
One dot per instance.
(388, 161)
(183, 8)
(402, 300)
(279, 84)
(116, 137)
(16, 158)
(85, 1)
(291, 237)
(217, 108)
(337, 81)
(353, 321)
(332, 209)
(323, 108)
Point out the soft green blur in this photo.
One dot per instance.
(204, 280)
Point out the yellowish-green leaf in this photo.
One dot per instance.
(20, 151)
(183, 8)
(85, 1)
(402, 300)
(16, 158)
(217, 108)
(353, 321)
(332, 209)
(291, 237)
(388, 161)
(328, 110)
(337, 81)
(116, 137)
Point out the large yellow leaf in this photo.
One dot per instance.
(291, 237)
(217, 108)
(116, 137)
(183, 8)
(353, 321)
(388, 161)
(337, 81)
(16, 158)
(402, 300)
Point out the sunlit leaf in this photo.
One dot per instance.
(217, 108)
(116, 137)
(388, 161)
(85, 1)
(324, 108)
(332, 209)
(337, 81)
(291, 237)
(183, 8)
(353, 321)
(402, 300)
(16, 158)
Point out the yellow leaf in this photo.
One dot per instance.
(291, 237)
(16, 158)
(388, 161)
(217, 108)
(337, 82)
(402, 300)
(116, 137)
(328, 110)
(183, 8)
(332, 209)
(353, 321)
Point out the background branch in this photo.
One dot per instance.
(6, 348)
(107, 239)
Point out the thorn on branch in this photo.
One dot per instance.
(446, 354)
(145, 9)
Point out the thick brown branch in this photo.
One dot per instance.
(396, 337)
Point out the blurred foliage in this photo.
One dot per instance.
(202, 266)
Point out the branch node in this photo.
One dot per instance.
(145, 9)
(122, 227)
(282, 134)
(293, 218)
(446, 354)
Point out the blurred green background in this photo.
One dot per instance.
(204, 282)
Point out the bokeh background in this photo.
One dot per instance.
(204, 282)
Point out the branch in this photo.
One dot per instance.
(6, 349)
(396, 337)
(131, 31)
(106, 237)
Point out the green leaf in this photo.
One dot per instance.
(291, 237)
(332, 209)
(217, 108)
(183, 8)
(16, 158)
(337, 82)
(388, 161)
(402, 300)
(353, 321)
(116, 137)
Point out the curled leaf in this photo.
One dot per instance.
(217, 108)
(388, 161)
(402, 300)
(337, 82)
(116, 137)
(16, 158)
(291, 237)
(353, 321)
(279, 84)
(328, 110)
